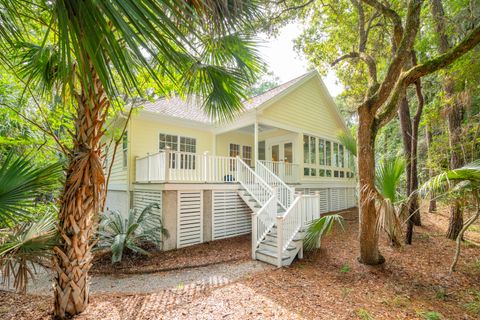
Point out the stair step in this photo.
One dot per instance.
(272, 254)
(273, 244)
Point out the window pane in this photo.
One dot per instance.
(342, 174)
(335, 174)
(335, 154)
(305, 149)
(234, 150)
(167, 140)
(340, 155)
(313, 149)
(306, 172)
(328, 153)
(321, 172)
(329, 173)
(261, 150)
(321, 152)
(247, 154)
(313, 172)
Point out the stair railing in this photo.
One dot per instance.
(288, 226)
(285, 193)
(265, 195)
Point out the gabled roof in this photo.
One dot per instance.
(191, 107)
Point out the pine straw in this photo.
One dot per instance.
(327, 284)
(214, 252)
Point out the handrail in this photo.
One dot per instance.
(285, 193)
(257, 181)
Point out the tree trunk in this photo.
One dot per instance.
(454, 119)
(81, 201)
(432, 205)
(368, 235)
(410, 143)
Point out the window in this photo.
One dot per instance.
(125, 149)
(335, 154)
(305, 149)
(342, 174)
(328, 153)
(321, 152)
(247, 154)
(182, 144)
(188, 144)
(340, 156)
(170, 141)
(335, 174)
(261, 150)
(234, 150)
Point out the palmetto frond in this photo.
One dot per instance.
(465, 177)
(20, 181)
(121, 39)
(27, 246)
(120, 233)
(387, 177)
(319, 228)
(348, 141)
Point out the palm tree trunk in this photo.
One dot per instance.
(81, 201)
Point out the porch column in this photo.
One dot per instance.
(255, 128)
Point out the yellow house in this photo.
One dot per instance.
(270, 172)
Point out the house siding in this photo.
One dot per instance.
(306, 108)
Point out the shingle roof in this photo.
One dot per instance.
(191, 107)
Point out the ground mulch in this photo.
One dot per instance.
(414, 283)
(213, 252)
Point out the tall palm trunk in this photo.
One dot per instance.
(454, 119)
(80, 203)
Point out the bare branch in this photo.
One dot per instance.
(392, 15)
(300, 6)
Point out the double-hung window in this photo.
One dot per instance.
(125, 149)
(186, 145)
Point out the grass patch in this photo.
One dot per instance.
(399, 301)
(474, 305)
(474, 228)
(430, 315)
(441, 294)
(345, 268)
(364, 314)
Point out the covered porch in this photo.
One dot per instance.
(277, 149)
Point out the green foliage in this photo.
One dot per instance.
(119, 233)
(21, 180)
(364, 314)
(431, 315)
(345, 268)
(319, 228)
(26, 246)
(466, 178)
(474, 305)
(349, 141)
(387, 177)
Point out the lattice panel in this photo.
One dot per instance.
(231, 216)
(190, 220)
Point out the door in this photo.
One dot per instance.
(281, 155)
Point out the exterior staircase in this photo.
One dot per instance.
(277, 225)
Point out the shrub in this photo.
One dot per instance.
(119, 233)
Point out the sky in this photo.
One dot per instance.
(285, 63)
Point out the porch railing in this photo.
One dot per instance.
(288, 172)
(285, 193)
(175, 166)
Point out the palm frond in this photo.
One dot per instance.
(120, 233)
(319, 228)
(348, 141)
(469, 175)
(20, 181)
(27, 246)
(388, 220)
(387, 177)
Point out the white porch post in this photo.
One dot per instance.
(255, 128)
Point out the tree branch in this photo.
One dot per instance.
(392, 15)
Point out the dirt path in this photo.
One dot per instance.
(213, 275)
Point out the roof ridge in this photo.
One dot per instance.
(276, 87)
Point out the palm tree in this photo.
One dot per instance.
(464, 180)
(102, 48)
(26, 235)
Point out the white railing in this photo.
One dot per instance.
(288, 226)
(174, 166)
(285, 193)
(288, 172)
(265, 195)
